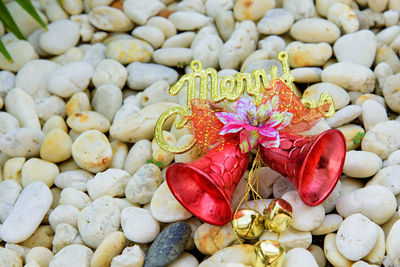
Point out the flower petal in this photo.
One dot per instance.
(270, 141)
(263, 111)
(233, 127)
(226, 117)
(244, 106)
(248, 140)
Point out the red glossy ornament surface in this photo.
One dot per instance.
(205, 186)
(313, 164)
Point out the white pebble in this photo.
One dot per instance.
(174, 56)
(139, 225)
(163, 24)
(27, 214)
(139, 11)
(74, 197)
(275, 21)
(299, 257)
(315, 30)
(361, 164)
(109, 71)
(72, 255)
(73, 178)
(382, 139)
(21, 106)
(9, 192)
(356, 237)
(188, 20)
(64, 214)
(142, 75)
(343, 16)
(388, 177)
(21, 52)
(21, 142)
(59, 37)
(150, 34)
(345, 115)
(111, 182)
(110, 19)
(372, 114)
(339, 96)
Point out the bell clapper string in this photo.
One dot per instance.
(253, 175)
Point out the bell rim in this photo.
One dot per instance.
(194, 211)
(339, 173)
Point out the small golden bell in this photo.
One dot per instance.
(278, 215)
(268, 253)
(248, 223)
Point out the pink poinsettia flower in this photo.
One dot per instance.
(255, 124)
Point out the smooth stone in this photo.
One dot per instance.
(72, 255)
(290, 238)
(174, 56)
(110, 19)
(27, 214)
(10, 258)
(21, 142)
(20, 105)
(189, 156)
(299, 257)
(142, 75)
(130, 257)
(393, 159)
(137, 156)
(382, 139)
(388, 35)
(364, 97)
(375, 201)
(73, 178)
(378, 251)
(74, 197)
(99, 219)
(315, 30)
(210, 238)
(390, 92)
(329, 225)
(343, 16)
(382, 71)
(32, 77)
(65, 235)
(252, 10)
(185, 260)
(139, 225)
(275, 21)
(88, 120)
(120, 150)
(59, 37)
(356, 47)
(168, 245)
(318, 254)
(188, 20)
(308, 55)
(94, 54)
(109, 71)
(110, 247)
(387, 177)
(183, 39)
(206, 48)
(329, 203)
(158, 92)
(305, 218)
(392, 243)
(140, 125)
(240, 45)
(129, 50)
(332, 253)
(36, 169)
(56, 146)
(139, 11)
(12, 169)
(111, 182)
(361, 164)
(372, 114)
(165, 25)
(301, 9)
(339, 96)
(9, 192)
(160, 155)
(350, 76)
(323, 6)
(150, 34)
(69, 79)
(386, 54)
(237, 254)
(7, 82)
(92, 151)
(165, 208)
(225, 23)
(21, 52)
(42, 237)
(356, 237)
(48, 105)
(307, 75)
(41, 255)
(143, 184)
(64, 214)
(281, 186)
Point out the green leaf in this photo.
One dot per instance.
(149, 161)
(358, 137)
(4, 52)
(27, 5)
(9, 22)
(158, 164)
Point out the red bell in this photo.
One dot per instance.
(312, 163)
(205, 186)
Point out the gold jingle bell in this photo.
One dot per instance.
(268, 253)
(278, 215)
(248, 223)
